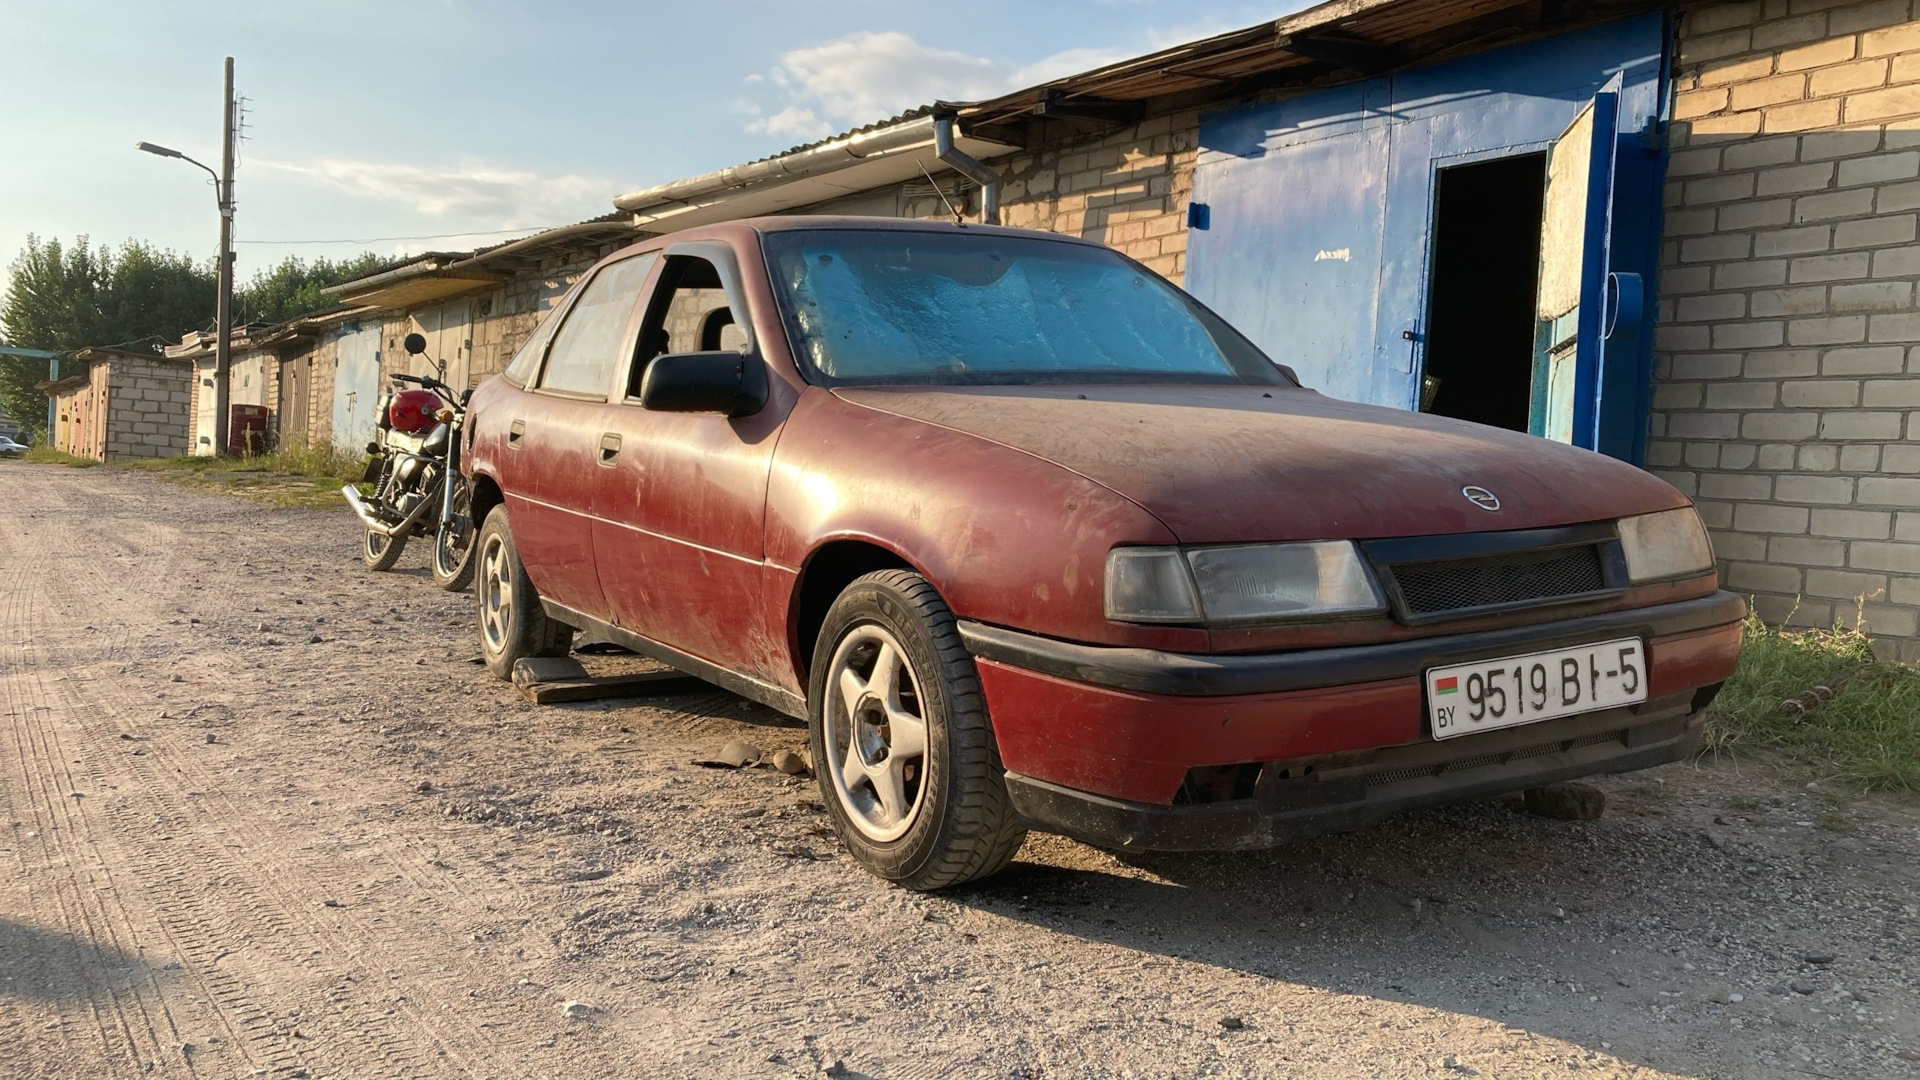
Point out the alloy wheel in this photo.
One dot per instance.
(496, 593)
(876, 733)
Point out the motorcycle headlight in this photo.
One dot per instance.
(1669, 544)
(1242, 583)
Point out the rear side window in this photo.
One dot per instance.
(528, 358)
(587, 346)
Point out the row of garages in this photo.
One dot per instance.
(1678, 234)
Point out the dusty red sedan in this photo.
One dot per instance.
(1031, 539)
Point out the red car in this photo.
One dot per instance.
(1032, 539)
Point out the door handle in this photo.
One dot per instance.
(515, 431)
(609, 448)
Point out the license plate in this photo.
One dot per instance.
(1490, 694)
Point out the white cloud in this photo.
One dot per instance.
(473, 193)
(865, 77)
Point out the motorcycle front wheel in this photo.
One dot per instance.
(453, 543)
(381, 551)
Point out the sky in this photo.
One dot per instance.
(387, 126)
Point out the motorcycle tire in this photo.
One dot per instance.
(453, 569)
(380, 551)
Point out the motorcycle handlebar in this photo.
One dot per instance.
(429, 382)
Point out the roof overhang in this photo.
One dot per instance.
(1333, 42)
(851, 164)
(430, 277)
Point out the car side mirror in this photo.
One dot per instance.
(705, 382)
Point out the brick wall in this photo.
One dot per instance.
(1788, 397)
(1128, 190)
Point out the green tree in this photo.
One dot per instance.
(68, 296)
(151, 294)
(292, 288)
(52, 302)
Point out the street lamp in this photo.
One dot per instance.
(223, 305)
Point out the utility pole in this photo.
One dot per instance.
(223, 307)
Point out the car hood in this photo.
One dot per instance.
(1225, 464)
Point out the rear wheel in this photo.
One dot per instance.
(902, 744)
(513, 625)
(381, 551)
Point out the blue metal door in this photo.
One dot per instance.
(356, 388)
(1356, 168)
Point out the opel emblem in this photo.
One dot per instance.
(1481, 497)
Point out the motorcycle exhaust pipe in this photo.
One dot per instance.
(364, 511)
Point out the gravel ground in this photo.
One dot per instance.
(263, 813)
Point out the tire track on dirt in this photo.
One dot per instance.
(129, 1024)
(400, 1032)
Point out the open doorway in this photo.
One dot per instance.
(1486, 265)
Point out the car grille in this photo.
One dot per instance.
(1528, 577)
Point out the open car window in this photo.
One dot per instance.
(873, 306)
(586, 348)
(689, 313)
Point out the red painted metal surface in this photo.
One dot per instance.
(1692, 660)
(1139, 746)
(413, 411)
(698, 531)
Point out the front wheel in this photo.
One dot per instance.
(453, 543)
(902, 744)
(512, 622)
(381, 551)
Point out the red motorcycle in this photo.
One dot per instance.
(413, 464)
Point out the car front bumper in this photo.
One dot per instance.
(1098, 741)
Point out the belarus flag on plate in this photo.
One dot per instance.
(1448, 685)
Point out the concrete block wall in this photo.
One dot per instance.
(1788, 394)
(149, 408)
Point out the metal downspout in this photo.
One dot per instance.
(974, 169)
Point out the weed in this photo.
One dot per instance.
(1867, 736)
(46, 455)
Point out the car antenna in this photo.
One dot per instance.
(957, 220)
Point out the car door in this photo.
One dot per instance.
(554, 433)
(682, 496)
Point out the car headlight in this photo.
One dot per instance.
(1669, 544)
(1242, 583)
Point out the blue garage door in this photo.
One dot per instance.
(1322, 210)
(356, 388)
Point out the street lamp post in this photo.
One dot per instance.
(223, 306)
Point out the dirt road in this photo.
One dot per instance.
(251, 825)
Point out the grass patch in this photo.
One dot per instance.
(304, 477)
(1867, 736)
(42, 454)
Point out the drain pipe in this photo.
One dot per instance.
(974, 169)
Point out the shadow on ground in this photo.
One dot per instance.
(48, 966)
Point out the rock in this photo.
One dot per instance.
(734, 755)
(1907, 1055)
(1817, 956)
(540, 669)
(578, 1010)
(788, 762)
(1718, 841)
(262, 628)
(1779, 989)
(424, 787)
(1232, 1023)
(1736, 999)
(331, 903)
(314, 639)
(1800, 986)
(1567, 801)
(212, 738)
(836, 1068)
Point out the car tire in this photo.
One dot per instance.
(511, 622)
(946, 818)
(380, 551)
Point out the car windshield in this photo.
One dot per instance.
(870, 306)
